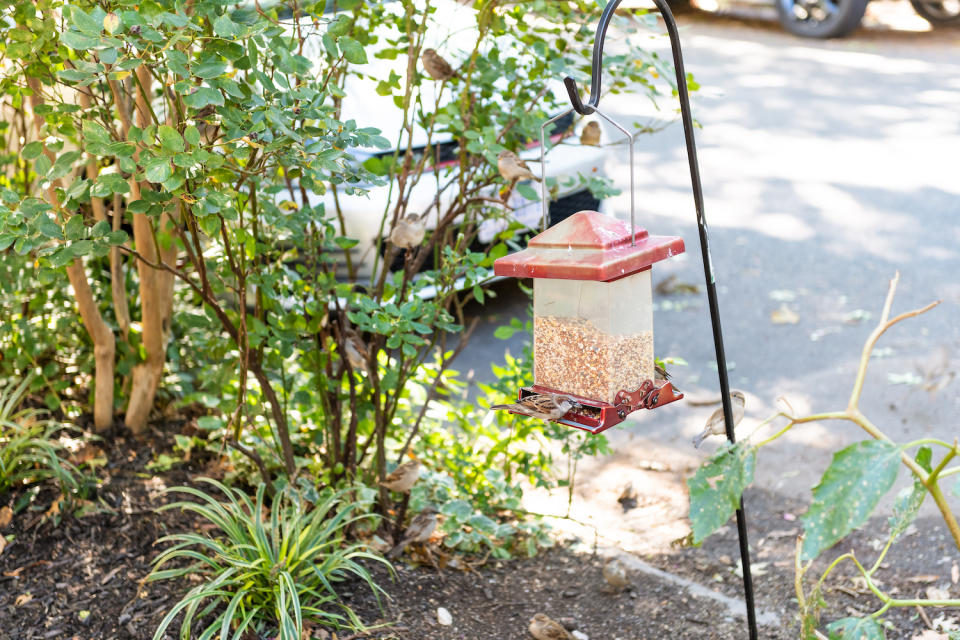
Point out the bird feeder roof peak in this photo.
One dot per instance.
(588, 246)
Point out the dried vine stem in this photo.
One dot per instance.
(853, 414)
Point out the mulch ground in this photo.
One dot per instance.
(83, 578)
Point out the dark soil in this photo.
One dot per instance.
(83, 579)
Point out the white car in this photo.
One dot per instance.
(363, 214)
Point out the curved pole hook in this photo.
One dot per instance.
(596, 71)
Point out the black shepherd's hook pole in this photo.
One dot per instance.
(587, 109)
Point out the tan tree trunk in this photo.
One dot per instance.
(156, 290)
(104, 342)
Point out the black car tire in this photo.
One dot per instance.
(938, 13)
(820, 18)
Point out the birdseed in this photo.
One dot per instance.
(573, 356)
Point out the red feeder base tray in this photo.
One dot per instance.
(595, 416)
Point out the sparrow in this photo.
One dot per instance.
(590, 135)
(715, 423)
(409, 231)
(435, 66)
(403, 477)
(356, 352)
(543, 628)
(660, 373)
(615, 573)
(546, 406)
(421, 528)
(628, 497)
(512, 168)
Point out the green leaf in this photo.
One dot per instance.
(353, 51)
(32, 150)
(224, 27)
(345, 243)
(117, 237)
(851, 487)
(528, 191)
(192, 135)
(209, 423)
(202, 97)
(210, 68)
(48, 227)
(63, 165)
(504, 333)
(170, 140)
(74, 229)
(717, 486)
(459, 509)
(157, 170)
(78, 41)
(906, 507)
(856, 629)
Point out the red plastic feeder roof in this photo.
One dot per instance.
(588, 246)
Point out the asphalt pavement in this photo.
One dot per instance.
(827, 167)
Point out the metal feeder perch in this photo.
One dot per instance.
(592, 269)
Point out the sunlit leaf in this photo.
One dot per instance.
(848, 492)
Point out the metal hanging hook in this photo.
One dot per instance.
(596, 72)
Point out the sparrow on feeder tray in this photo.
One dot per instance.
(715, 423)
(546, 406)
(590, 136)
(435, 66)
(512, 168)
(403, 477)
(409, 231)
(543, 628)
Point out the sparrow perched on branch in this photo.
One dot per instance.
(403, 477)
(543, 628)
(409, 231)
(546, 406)
(590, 135)
(435, 66)
(715, 423)
(512, 168)
(421, 528)
(356, 352)
(615, 573)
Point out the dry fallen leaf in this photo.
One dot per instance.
(23, 599)
(927, 634)
(784, 315)
(925, 578)
(955, 573)
(936, 593)
(6, 515)
(3, 545)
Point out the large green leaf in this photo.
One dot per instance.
(851, 487)
(717, 486)
(202, 97)
(856, 629)
(63, 165)
(157, 170)
(353, 51)
(170, 140)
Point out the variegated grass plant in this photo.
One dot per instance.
(271, 568)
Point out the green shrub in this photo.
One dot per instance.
(270, 568)
(29, 451)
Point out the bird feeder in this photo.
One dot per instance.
(593, 316)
